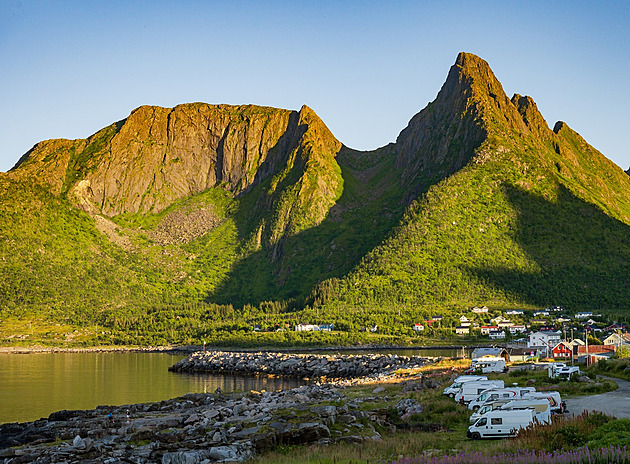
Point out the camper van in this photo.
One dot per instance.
(459, 381)
(562, 371)
(542, 410)
(496, 394)
(500, 423)
(556, 404)
(471, 390)
(487, 365)
(487, 407)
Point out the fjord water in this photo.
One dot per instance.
(34, 385)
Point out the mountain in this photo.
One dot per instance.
(263, 210)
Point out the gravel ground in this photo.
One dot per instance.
(615, 403)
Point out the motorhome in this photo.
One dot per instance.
(562, 371)
(541, 407)
(499, 393)
(500, 423)
(459, 381)
(556, 404)
(487, 365)
(471, 390)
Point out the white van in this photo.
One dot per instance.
(499, 393)
(556, 404)
(487, 407)
(498, 423)
(542, 410)
(459, 381)
(471, 390)
(487, 365)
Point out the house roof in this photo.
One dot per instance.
(481, 352)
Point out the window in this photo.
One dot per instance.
(496, 421)
(482, 421)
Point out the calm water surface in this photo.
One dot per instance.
(34, 385)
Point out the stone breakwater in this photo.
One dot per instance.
(201, 428)
(306, 366)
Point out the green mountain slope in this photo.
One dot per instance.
(536, 217)
(203, 218)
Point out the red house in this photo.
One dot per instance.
(562, 351)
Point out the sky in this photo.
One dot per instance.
(70, 68)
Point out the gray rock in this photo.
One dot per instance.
(185, 457)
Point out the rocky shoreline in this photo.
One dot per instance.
(306, 366)
(217, 427)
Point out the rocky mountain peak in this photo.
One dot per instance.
(532, 117)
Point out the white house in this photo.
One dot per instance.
(541, 313)
(497, 334)
(546, 340)
(515, 312)
(461, 330)
(584, 315)
(480, 310)
(306, 328)
(514, 329)
(464, 321)
(618, 339)
(486, 329)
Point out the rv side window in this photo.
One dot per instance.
(506, 395)
(496, 421)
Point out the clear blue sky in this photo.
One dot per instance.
(70, 68)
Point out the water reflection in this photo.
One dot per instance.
(34, 385)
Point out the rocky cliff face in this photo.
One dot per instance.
(159, 155)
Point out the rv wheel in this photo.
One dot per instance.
(475, 436)
(452, 395)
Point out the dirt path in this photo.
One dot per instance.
(615, 403)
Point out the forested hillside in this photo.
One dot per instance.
(203, 220)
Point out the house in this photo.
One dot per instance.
(544, 340)
(617, 339)
(464, 321)
(327, 327)
(462, 330)
(576, 342)
(557, 308)
(594, 353)
(486, 329)
(522, 354)
(497, 334)
(505, 324)
(490, 352)
(432, 320)
(541, 313)
(480, 310)
(538, 321)
(515, 312)
(614, 327)
(584, 315)
(591, 322)
(514, 329)
(418, 327)
(562, 350)
(497, 320)
(306, 328)
(563, 319)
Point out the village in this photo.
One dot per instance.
(582, 338)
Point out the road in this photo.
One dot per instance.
(615, 403)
